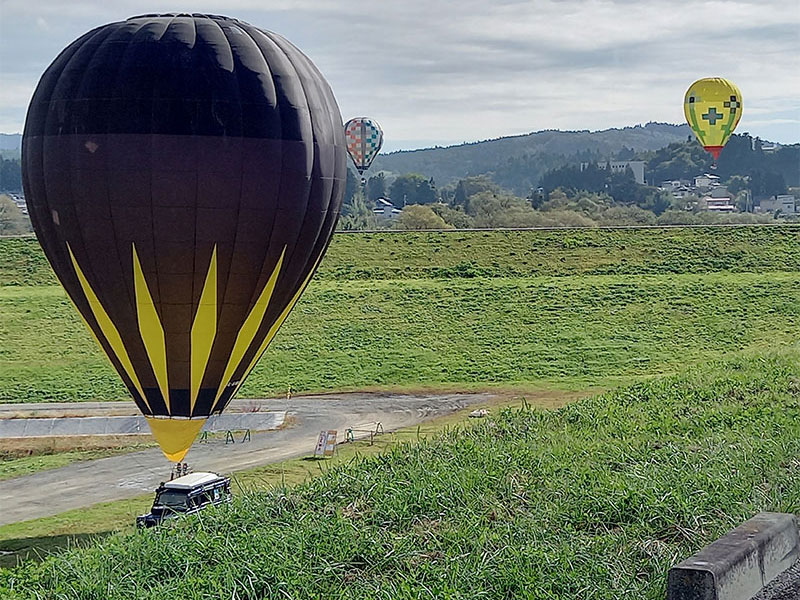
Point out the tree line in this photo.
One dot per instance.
(582, 193)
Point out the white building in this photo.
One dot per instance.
(705, 181)
(720, 205)
(720, 191)
(385, 209)
(637, 166)
(619, 166)
(786, 203)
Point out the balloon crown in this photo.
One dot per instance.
(193, 15)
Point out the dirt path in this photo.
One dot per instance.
(86, 483)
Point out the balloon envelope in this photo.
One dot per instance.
(364, 139)
(184, 175)
(713, 107)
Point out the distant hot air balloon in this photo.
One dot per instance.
(184, 175)
(713, 107)
(364, 139)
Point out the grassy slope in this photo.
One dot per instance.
(413, 255)
(466, 309)
(593, 500)
(36, 538)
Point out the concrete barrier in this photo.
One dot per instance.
(67, 426)
(739, 564)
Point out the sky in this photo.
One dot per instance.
(442, 72)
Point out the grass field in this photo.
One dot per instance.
(37, 538)
(449, 255)
(471, 310)
(594, 500)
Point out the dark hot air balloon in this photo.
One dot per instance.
(184, 175)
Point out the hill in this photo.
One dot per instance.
(464, 309)
(595, 500)
(517, 162)
(10, 141)
(10, 146)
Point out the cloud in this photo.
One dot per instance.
(443, 70)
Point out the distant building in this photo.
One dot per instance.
(720, 191)
(678, 188)
(785, 203)
(719, 205)
(770, 147)
(384, 209)
(619, 166)
(705, 181)
(673, 184)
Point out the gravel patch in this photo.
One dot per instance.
(785, 586)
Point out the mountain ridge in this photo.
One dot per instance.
(532, 154)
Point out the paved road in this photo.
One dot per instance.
(86, 483)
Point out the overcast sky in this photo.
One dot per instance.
(443, 72)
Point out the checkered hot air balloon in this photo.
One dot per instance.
(364, 139)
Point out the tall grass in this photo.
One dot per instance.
(594, 500)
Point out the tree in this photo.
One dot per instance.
(590, 204)
(357, 216)
(376, 187)
(10, 175)
(627, 215)
(736, 184)
(452, 216)
(412, 188)
(502, 210)
(654, 200)
(460, 198)
(677, 217)
(417, 216)
(350, 188)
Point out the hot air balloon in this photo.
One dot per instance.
(184, 175)
(713, 107)
(364, 139)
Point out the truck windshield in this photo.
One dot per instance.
(171, 499)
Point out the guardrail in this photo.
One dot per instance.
(372, 429)
(739, 564)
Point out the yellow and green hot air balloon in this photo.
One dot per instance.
(713, 107)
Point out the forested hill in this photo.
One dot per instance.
(10, 141)
(518, 162)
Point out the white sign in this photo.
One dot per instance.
(326, 443)
(330, 444)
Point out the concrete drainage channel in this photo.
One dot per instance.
(756, 561)
(131, 425)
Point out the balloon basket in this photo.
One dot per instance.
(179, 470)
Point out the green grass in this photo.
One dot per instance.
(37, 538)
(460, 309)
(480, 332)
(447, 255)
(458, 254)
(594, 500)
